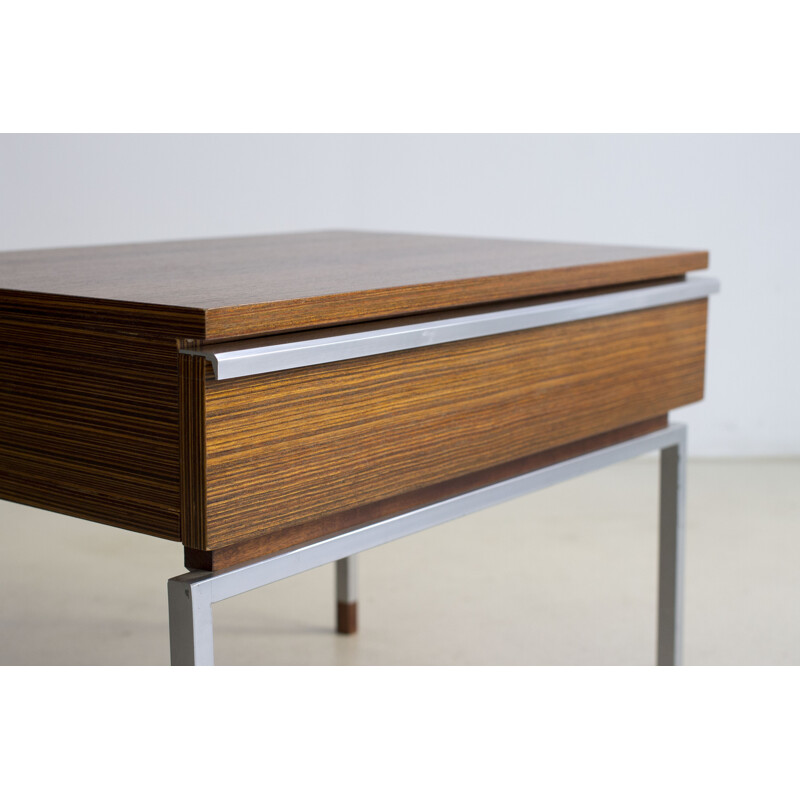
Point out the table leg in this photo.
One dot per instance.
(191, 632)
(671, 553)
(191, 595)
(346, 595)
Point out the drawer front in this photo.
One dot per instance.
(266, 451)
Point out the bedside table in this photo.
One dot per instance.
(276, 403)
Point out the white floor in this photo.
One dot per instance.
(565, 576)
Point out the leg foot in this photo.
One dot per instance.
(346, 595)
(346, 617)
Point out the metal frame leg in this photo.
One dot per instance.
(346, 595)
(191, 595)
(191, 630)
(672, 526)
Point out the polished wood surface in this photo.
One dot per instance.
(89, 422)
(247, 286)
(289, 448)
(91, 395)
(261, 546)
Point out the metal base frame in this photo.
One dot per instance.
(191, 595)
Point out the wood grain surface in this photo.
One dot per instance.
(248, 286)
(261, 546)
(89, 422)
(91, 397)
(293, 447)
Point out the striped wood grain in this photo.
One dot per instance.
(89, 416)
(89, 380)
(294, 447)
(256, 285)
(262, 546)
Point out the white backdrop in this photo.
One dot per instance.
(735, 195)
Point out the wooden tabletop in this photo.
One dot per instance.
(247, 286)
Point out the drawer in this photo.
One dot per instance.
(282, 432)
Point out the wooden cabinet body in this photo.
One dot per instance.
(111, 410)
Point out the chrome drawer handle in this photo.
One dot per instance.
(292, 351)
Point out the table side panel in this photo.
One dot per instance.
(89, 413)
(292, 447)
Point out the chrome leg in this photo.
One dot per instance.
(671, 553)
(191, 595)
(346, 595)
(191, 633)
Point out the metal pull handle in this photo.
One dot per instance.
(276, 353)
